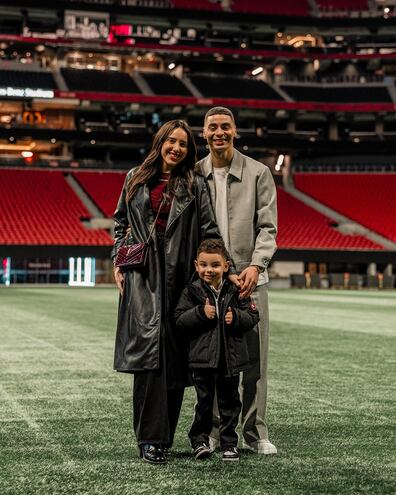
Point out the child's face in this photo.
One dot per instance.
(210, 268)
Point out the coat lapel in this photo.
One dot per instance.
(179, 204)
(142, 204)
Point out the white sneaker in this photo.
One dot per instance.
(231, 454)
(261, 447)
(214, 443)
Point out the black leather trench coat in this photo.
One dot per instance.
(147, 306)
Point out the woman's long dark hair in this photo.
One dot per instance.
(183, 173)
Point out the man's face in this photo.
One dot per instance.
(219, 131)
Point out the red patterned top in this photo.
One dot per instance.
(156, 195)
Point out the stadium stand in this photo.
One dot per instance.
(44, 211)
(197, 5)
(211, 85)
(342, 5)
(92, 120)
(285, 8)
(165, 84)
(366, 198)
(338, 93)
(320, 96)
(98, 80)
(27, 79)
(103, 188)
(301, 227)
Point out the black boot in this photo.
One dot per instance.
(152, 453)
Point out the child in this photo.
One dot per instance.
(215, 318)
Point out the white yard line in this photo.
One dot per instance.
(22, 414)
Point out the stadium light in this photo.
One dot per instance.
(279, 162)
(257, 71)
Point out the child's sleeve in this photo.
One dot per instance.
(189, 315)
(246, 315)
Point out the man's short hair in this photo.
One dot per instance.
(215, 246)
(219, 111)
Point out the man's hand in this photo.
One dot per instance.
(229, 316)
(248, 280)
(119, 279)
(210, 311)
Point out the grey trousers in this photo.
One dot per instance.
(253, 383)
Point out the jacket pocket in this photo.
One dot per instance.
(238, 353)
(199, 348)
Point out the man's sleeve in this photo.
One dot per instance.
(266, 220)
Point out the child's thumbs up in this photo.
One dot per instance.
(229, 316)
(210, 311)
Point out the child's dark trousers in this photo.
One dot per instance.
(207, 382)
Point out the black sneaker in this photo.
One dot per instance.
(231, 454)
(202, 451)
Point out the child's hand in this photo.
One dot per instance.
(229, 316)
(210, 311)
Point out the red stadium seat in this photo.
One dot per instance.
(369, 199)
(301, 227)
(104, 188)
(38, 207)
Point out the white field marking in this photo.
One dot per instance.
(340, 299)
(34, 425)
(336, 318)
(42, 342)
(329, 324)
(19, 410)
(70, 354)
(66, 398)
(335, 405)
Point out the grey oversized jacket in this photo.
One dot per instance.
(252, 212)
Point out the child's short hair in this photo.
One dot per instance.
(213, 246)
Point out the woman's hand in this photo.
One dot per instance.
(234, 279)
(119, 279)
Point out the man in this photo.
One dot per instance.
(243, 195)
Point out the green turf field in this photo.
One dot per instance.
(66, 416)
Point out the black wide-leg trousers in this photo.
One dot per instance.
(156, 408)
(206, 382)
(158, 394)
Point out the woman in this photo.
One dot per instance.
(145, 343)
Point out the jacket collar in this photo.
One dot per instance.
(199, 287)
(236, 167)
(179, 204)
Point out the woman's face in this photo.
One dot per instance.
(174, 149)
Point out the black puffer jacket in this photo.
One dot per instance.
(205, 334)
(146, 305)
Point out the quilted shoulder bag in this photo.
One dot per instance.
(134, 256)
